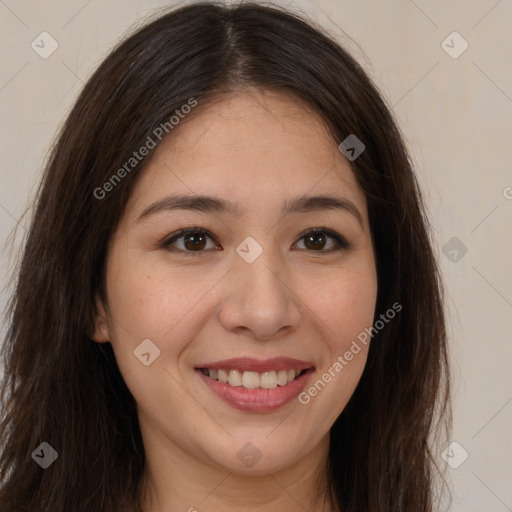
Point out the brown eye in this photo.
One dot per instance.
(317, 240)
(196, 241)
(188, 240)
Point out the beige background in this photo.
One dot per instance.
(455, 113)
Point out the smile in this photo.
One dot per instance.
(257, 386)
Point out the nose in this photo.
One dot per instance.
(259, 300)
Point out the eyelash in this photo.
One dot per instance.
(166, 244)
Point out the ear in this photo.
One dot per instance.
(101, 332)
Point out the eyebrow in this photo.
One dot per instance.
(210, 204)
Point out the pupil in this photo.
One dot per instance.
(199, 244)
(319, 241)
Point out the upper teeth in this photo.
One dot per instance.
(252, 380)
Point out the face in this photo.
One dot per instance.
(274, 277)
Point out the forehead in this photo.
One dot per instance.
(255, 147)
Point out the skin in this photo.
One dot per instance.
(258, 149)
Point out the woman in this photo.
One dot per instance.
(228, 298)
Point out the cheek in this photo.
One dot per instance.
(346, 306)
(145, 296)
(144, 303)
(344, 310)
(149, 300)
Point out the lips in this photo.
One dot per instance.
(265, 394)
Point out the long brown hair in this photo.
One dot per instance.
(61, 388)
